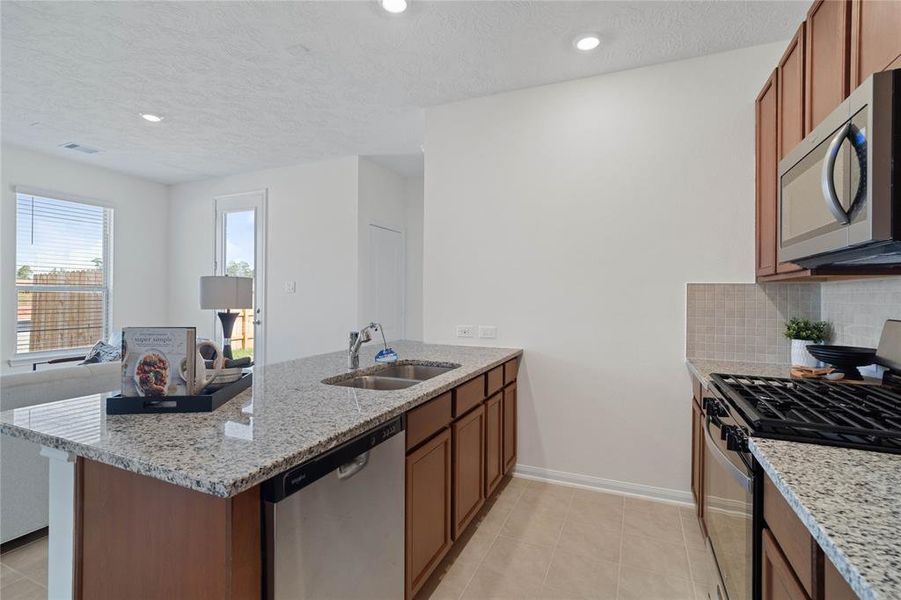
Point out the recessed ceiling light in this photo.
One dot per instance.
(151, 117)
(394, 6)
(587, 43)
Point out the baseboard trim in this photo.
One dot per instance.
(600, 484)
(23, 540)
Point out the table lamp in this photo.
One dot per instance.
(219, 292)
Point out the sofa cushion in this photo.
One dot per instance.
(48, 385)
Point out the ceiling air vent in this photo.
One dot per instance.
(80, 148)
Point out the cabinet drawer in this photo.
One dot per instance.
(798, 546)
(511, 367)
(469, 395)
(426, 420)
(495, 380)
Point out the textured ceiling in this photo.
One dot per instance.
(250, 85)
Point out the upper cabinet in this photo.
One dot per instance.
(767, 167)
(875, 31)
(828, 35)
(791, 94)
(841, 43)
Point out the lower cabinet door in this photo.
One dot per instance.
(779, 581)
(428, 499)
(509, 427)
(494, 442)
(469, 467)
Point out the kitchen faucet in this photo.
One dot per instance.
(357, 339)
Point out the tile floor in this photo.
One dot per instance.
(538, 540)
(23, 572)
(535, 540)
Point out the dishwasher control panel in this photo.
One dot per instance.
(295, 479)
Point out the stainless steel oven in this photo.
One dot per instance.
(729, 490)
(839, 197)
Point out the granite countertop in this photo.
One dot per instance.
(849, 501)
(702, 368)
(288, 416)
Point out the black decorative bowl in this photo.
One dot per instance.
(845, 359)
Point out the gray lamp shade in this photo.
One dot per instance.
(223, 292)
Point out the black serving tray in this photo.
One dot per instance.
(136, 405)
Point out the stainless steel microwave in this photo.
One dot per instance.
(839, 196)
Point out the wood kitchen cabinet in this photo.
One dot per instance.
(875, 38)
(828, 44)
(790, 93)
(428, 510)
(767, 166)
(839, 44)
(460, 446)
(509, 414)
(779, 581)
(494, 442)
(469, 467)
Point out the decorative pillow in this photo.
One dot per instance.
(102, 352)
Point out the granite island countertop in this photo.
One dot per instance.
(287, 417)
(849, 501)
(702, 368)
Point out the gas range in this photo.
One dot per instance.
(866, 417)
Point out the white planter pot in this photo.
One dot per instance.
(801, 357)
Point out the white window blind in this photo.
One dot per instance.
(62, 274)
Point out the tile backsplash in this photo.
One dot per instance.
(744, 322)
(858, 309)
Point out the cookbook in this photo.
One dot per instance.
(155, 361)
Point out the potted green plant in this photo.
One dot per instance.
(803, 332)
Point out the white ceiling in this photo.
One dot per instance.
(250, 85)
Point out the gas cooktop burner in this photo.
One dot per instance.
(805, 410)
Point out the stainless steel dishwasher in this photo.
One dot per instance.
(334, 526)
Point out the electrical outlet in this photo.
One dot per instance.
(290, 287)
(465, 331)
(488, 331)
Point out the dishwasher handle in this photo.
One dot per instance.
(349, 469)
(346, 460)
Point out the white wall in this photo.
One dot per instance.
(415, 198)
(140, 223)
(571, 216)
(382, 202)
(391, 200)
(312, 239)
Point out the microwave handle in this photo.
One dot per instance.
(829, 194)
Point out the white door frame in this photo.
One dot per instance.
(257, 201)
(403, 274)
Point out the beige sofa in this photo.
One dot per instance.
(23, 471)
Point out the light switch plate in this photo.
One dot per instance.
(290, 287)
(465, 331)
(488, 331)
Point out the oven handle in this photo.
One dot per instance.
(828, 182)
(740, 476)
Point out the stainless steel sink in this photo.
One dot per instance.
(417, 372)
(375, 382)
(392, 377)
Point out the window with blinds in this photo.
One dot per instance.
(62, 274)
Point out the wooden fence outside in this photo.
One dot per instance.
(70, 319)
(242, 332)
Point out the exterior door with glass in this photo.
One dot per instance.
(241, 252)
